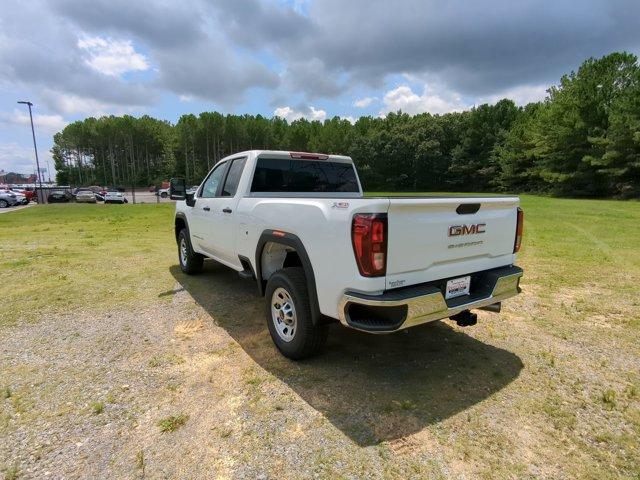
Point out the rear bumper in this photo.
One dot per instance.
(409, 306)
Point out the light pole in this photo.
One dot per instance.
(33, 133)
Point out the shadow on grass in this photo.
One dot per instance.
(372, 387)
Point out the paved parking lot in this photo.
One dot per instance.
(144, 196)
(13, 209)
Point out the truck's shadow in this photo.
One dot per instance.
(372, 388)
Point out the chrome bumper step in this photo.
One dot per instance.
(409, 306)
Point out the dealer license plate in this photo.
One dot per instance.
(457, 287)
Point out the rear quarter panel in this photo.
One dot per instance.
(324, 227)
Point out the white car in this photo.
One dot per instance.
(115, 197)
(9, 198)
(320, 251)
(20, 193)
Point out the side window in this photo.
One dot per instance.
(233, 178)
(210, 187)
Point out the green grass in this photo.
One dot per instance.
(5, 392)
(97, 408)
(65, 258)
(12, 473)
(172, 423)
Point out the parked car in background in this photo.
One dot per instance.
(86, 196)
(21, 199)
(93, 188)
(27, 193)
(163, 192)
(59, 196)
(8, 199)
(115, 197)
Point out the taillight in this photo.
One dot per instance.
(369, 237)
(519, 230)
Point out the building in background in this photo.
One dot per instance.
(17, 178)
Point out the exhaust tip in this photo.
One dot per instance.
(494, 307)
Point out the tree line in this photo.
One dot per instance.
(582, 140)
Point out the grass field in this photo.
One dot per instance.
(550, 388)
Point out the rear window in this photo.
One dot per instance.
(288, 175)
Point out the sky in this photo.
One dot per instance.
(292, 58)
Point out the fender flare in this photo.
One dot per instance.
(290, 240)
(183, 217)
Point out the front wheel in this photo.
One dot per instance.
(289, 315)
(164, 195)
(4, 203)
(190, 261)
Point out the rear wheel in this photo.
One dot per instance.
(164, 195)
(190, 261)
(289, 315)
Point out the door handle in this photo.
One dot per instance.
(206, 209)
(226, 210)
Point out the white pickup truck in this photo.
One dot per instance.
(320, 251)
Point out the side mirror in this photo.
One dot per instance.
(190, 199)
(177, 189)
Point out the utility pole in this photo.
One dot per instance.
(41, 196)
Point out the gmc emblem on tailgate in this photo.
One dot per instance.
(455, 230)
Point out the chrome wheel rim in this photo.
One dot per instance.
(183, 252)
(283, 314)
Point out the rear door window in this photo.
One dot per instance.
(233, 177)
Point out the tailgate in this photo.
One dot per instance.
(436, 238)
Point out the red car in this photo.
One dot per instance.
(29, 194)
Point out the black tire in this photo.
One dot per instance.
(308, 339)
(190, 262)
(164, 195)
(4, 203)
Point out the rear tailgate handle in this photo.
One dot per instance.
(467, 208)
(226, 210)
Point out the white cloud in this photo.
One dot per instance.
(287, 113)
(112, 57)
(364, 102)
(42, 123)
(318, 114)
(291, 114)
(405, 99)
(71, 104)
(21, 159)
(520, 95)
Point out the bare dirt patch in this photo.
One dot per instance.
(504, 398)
